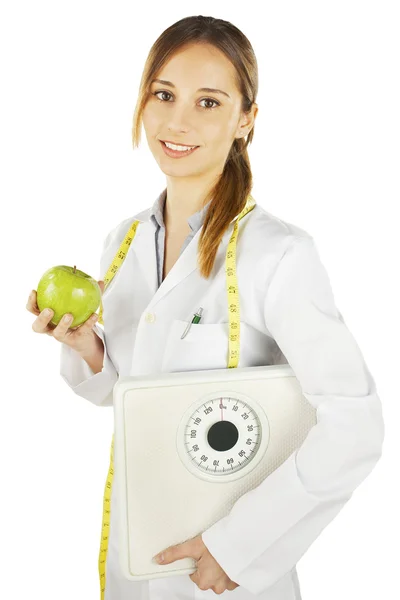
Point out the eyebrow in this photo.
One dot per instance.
(203, 89)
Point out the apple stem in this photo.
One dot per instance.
(74, 269)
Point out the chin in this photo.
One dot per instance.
(177, 168)
(177, 172)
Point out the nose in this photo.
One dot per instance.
(179, 120)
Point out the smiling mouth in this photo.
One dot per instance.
(179, 144)
(177, 153)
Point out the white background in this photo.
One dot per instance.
(325, 157)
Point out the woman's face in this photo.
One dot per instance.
(179, 112)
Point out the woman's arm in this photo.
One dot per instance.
(94, 375)
(94, 357)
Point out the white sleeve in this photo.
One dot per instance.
(95, 387)
(270, 528)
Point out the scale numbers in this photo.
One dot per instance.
(222, 436)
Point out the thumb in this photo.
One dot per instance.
(101, 285)
(174, 553)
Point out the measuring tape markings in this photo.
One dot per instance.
(233, 354)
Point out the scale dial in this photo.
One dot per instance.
(222, 436)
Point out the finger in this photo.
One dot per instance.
(31, 305)
(232, 585)
(61, 330)
(63, 327)
(41, 323)
(195, 577)
(101, 285)
(88, 324)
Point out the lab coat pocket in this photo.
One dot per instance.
(206, 346)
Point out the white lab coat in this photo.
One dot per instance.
(287, 314)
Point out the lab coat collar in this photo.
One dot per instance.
(144, 248)
(145, 215)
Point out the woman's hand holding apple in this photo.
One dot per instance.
(81, 338)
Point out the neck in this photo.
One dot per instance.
(185, 196)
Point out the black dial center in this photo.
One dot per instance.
(222, 436)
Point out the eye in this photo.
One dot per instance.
(202, 100)
(210, 100)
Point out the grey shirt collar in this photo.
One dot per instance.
(195, 221)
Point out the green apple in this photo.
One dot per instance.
(68, 290)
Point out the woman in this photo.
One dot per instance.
(198, 89)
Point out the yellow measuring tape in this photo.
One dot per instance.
(234, 349)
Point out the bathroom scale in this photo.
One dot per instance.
(188, 445)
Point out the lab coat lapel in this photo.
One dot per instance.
(144, 246)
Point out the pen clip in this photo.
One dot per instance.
(186, 330)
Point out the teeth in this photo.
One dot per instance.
(180, 148)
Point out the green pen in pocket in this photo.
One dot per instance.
(196, 319)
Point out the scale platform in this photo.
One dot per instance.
(188, 445)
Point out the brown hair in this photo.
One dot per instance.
(230, 193)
